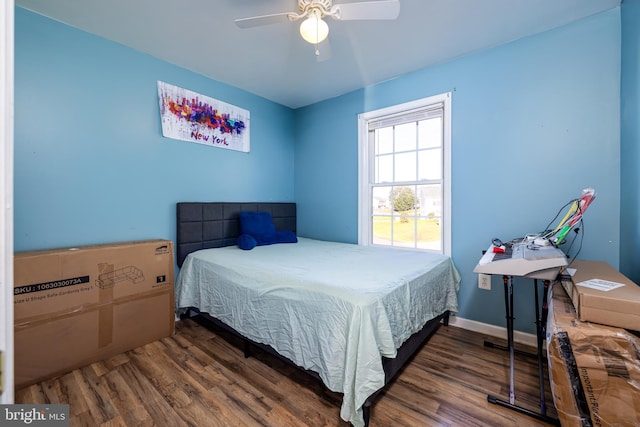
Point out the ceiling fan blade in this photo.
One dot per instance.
(256, 21)
(383, 9)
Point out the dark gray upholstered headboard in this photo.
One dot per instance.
(205, 225)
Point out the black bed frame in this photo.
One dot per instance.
(204, 225)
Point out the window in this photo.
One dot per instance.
(404, 175)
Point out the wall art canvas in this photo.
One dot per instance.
(189, 116)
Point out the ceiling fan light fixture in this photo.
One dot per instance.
(313, 29)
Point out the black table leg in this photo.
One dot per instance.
(540, 330)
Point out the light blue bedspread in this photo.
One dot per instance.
(333, 308)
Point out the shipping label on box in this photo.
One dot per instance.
(52, 282)
(619, 306)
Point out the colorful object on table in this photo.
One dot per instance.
(573, 216)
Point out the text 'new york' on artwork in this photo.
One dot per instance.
(189, 116)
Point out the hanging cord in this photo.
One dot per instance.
(577, 229)
(568, 220)
(546, 233)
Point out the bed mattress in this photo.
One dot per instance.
(333, 308)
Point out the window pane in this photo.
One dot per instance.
(381, 204)
(429, 233)
(430, 133)
(384, 168)
(404, 199)
(405, 165)
(429, 199)
(384, 140)
(405, 137)
(430, 164)
(404, 224)
(381, 230)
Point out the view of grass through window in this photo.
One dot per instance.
(425, 234)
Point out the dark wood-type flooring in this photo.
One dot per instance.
(200, 378)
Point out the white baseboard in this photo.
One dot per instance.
(492, 330)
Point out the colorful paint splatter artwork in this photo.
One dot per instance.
(189, 116)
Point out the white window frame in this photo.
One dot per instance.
(365, 171)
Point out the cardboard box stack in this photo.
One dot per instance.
(76, 306)
(594, 369)
(619, 306)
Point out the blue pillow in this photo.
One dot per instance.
(286, 237)
(258, 225)
(246, 242)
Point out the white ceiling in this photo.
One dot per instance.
(274, 62)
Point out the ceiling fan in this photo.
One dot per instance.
(313, 29)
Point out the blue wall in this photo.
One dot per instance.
(630, 141)
(91, 165)
(533, 123)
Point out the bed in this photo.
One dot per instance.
(350, 315)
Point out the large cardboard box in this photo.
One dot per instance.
(76, 306)
(594, 370)
(617, 307)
